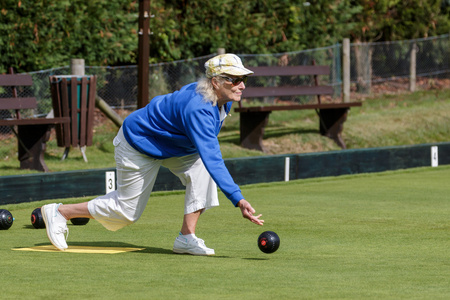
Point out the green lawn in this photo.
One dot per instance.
(368, 236)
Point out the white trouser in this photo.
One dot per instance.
(136, 176)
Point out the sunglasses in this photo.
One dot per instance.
(236, 81)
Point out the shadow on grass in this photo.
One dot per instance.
(34, 228)
(286, 131)
(232, 139)
(9, 168)
(148, 250)
(108, 244)
(269, 133)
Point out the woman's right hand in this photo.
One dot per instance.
(248, 211)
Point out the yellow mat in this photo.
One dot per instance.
(81, 249)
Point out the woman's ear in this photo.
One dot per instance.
(215, 83)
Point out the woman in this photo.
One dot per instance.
(178, 131)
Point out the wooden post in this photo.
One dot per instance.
(363, 63)
(221, 51)
(144, 49)
(412, 68)
(108, 111)
(346, 69)
(77, 66)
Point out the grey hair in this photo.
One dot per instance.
(206, 89)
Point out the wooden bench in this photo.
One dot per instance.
(32, 133)
(253, 119)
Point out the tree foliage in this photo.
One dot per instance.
(40, 34)
(200, 27)
(389, 20)
(44, 34)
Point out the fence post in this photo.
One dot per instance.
(143, 53)
(346, 69)
(220, 51)
(77, 66)
(412, 68)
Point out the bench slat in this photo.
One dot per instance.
(36, 121)
(287, 91)
(15, 80)
(18, 103)
(290, 70)
(297, 107)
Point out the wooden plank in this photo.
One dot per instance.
(273, 91)
(83, 111)
(36, 121)
(290, 70)
(66, 111)
(15, 80)
(91, 109)
(18, 103)
(297, 107)
(57, 109)
(73, 111)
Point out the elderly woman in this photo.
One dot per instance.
(178, 131)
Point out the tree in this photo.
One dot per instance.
(45, 34)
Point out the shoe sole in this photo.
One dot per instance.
(190, 253)
(44, 216)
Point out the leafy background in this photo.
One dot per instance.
(44, 34)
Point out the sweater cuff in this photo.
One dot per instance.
(236, 197)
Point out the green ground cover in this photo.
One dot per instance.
(367, 236)
(389, 120)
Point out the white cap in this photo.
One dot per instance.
(228, 63)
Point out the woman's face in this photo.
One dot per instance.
(229, 88)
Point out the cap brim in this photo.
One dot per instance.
(236, 71)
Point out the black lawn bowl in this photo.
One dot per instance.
(268, 242)
(6, 219)
(79, 221)
(36, 219)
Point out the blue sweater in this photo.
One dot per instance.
(180, 124)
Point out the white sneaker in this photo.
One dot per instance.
(56, 226)
(194, 246)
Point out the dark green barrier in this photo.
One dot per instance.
(367, 160)
(27, 188)
(34, 187)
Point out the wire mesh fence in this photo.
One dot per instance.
(371, 63)
(392, 61)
